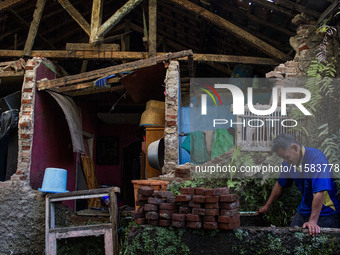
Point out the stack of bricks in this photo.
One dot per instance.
(194, 208)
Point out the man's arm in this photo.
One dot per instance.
(276, 192)
(312, 224)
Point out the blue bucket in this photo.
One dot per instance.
(55, 180)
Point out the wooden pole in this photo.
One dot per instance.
(34, 27)
(96, 19)
(117, 16)
(152, 40)
(9, 3)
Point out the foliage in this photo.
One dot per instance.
(331, 145)
(154, 241)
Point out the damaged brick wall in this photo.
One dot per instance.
(171, 118)
(22, 213)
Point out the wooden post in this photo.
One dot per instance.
(114, 215)
(152, 40)
(96, 19)
(34, 27)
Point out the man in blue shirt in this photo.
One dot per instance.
(309, 169)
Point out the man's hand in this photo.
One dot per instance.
(313, 228)
(262, 210)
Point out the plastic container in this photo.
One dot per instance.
(55, 180)
(157, 185)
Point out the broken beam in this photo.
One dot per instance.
(9, 3)
(76, 16)
(92, 47)
(235, 59)
(230, 27)
(126, 67)
(95, 90)
(117, 16)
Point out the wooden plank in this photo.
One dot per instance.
(11, 74)
(80, 233)
(96, 19)
(47, 224)
(9, 3)
(79, 197)
(92, 47)
(131, 66)
(235, 30)
(235, 59)
(76, 16)
(114, 219)
(152, 39)
(329, 10)
(85, 85)
(95, 91)
(52, 244)
(82, 228)
(52, 213)
(82, 193)
(108, 245)
(39, 8)
(117, 16)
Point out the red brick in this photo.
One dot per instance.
(140, 197)
(210, 192)
(209, 218)
(192, 217)
(211, 199)
(178, 217)
(200, 191)
(171, 123)
(153, 222)
(235, 218)
(228, 198)
(210, 225)
(26, 148)
(28, 90)
(230, 206)
(19, 172)
(164, 223)
(141, 203)
(152, 216)
(211, 212)
(23, 178)
(154, 200)
(188, 191)
(24, 124)
(198, 199)
(166, 214)
(184, 209)
(140, 209)
(140, 221)
(163, 194)
(228, 226)
(150, 207)
(25, 136)
(225, 212)
(183, 198)
(194, 205)
(305, 47)
(178, 224)
(211, 206)
(27, 79)
(139, 215)
(28, 67)
(194, 224)
(222, 191)
(167, 206)
(198, 211)
(26, 113)
(171, 200)
(223, 219)
(171, 117)
(146, 191)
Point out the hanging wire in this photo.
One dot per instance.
(122, 96)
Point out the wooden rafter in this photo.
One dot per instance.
(91, 47)
(34, 27)
(152, 39)
(76, 16)
(230, 27)
(328, 11)
(131, 66)
(117, 16)
(96, 19)
(297, 7)
(9, 3)
(94, 90)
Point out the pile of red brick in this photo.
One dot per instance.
(193, 208)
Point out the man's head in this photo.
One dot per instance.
(287, 148)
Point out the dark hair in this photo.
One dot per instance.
(283, 141)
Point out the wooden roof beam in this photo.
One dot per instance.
(297, 7)
(76, 16)
(233, 29)
(116, 17)
(328, 11)
(9, 3)
(96, 19)
(34, 27)
(126, 67)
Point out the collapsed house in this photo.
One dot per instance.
(79, 108)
